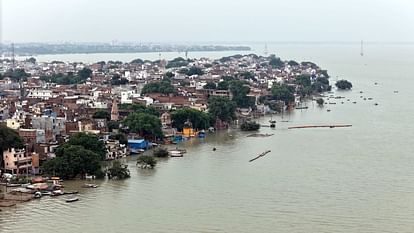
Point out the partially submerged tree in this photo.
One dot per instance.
(160, 152)
(146, 161)
(343, 84)
(118, 171)
(250, 126)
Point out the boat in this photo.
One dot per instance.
(37, 194)
(90, 186)
(272, 122)
(304, 107)
(57, 193)
(72, 199)
(176, 153)
(71, 192)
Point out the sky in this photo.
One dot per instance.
(206, 20)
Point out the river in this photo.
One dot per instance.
(357, 179)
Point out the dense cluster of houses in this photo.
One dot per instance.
(45, 114)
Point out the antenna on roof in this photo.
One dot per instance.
(12, 55)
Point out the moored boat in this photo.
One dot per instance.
(72, 199)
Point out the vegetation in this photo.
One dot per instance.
(248, 75)
(194, 70)
(163, 87)
(146, 161)
(102, 114)
(160, 152)
(169, 75)
(225, 84)
(116, 80)
(320, 101)
(31, 60)
(275, 62)
(118, 171)
(240, 91)
(8, 139)
(16, 75)
(210, 85)
(89, 142)
(198, 119)
(72, 161)
(343, 84)
(146, 125)
(137, 61)
(122, 138)
(283, 92)
(250, 126)
(293, 63)
(139, 108)
(69, 78)
(177, 62)
(112, 125)
(222, 108)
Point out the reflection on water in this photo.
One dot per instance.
(357, 179)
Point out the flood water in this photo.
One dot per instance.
(357, 179)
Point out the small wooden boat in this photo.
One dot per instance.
(90, 186)
(72, 199)
(176, 153)
(71, 192)
(57, 193)
(37, 194)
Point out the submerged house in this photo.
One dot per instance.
(135, 146)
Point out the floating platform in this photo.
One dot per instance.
(319, 126)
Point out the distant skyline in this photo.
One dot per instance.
(181, 21)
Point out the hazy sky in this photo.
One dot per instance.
(206, 20)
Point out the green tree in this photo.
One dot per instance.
(163, 87)
(102, 114)
(146, 160)
(223, 85)
(8, 139)
(320, 101)
(17, 75)
(137, 61)
(343, 84)
(169, 74)
(198, 119)
(72, 161)
(112, 125)
(160, 152)
(250, 126)
(194, 70)
(222, 108)
(84, 73)
(122, 138)
(146, 125)
(140, 108)
(117, 80)
(240, 90)
(210, 85)
(177, 62)
(31, 60)
(118, 171)
(89, 142)
(283, 92)
(275, 62)
(303, 80)
(293, 63)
